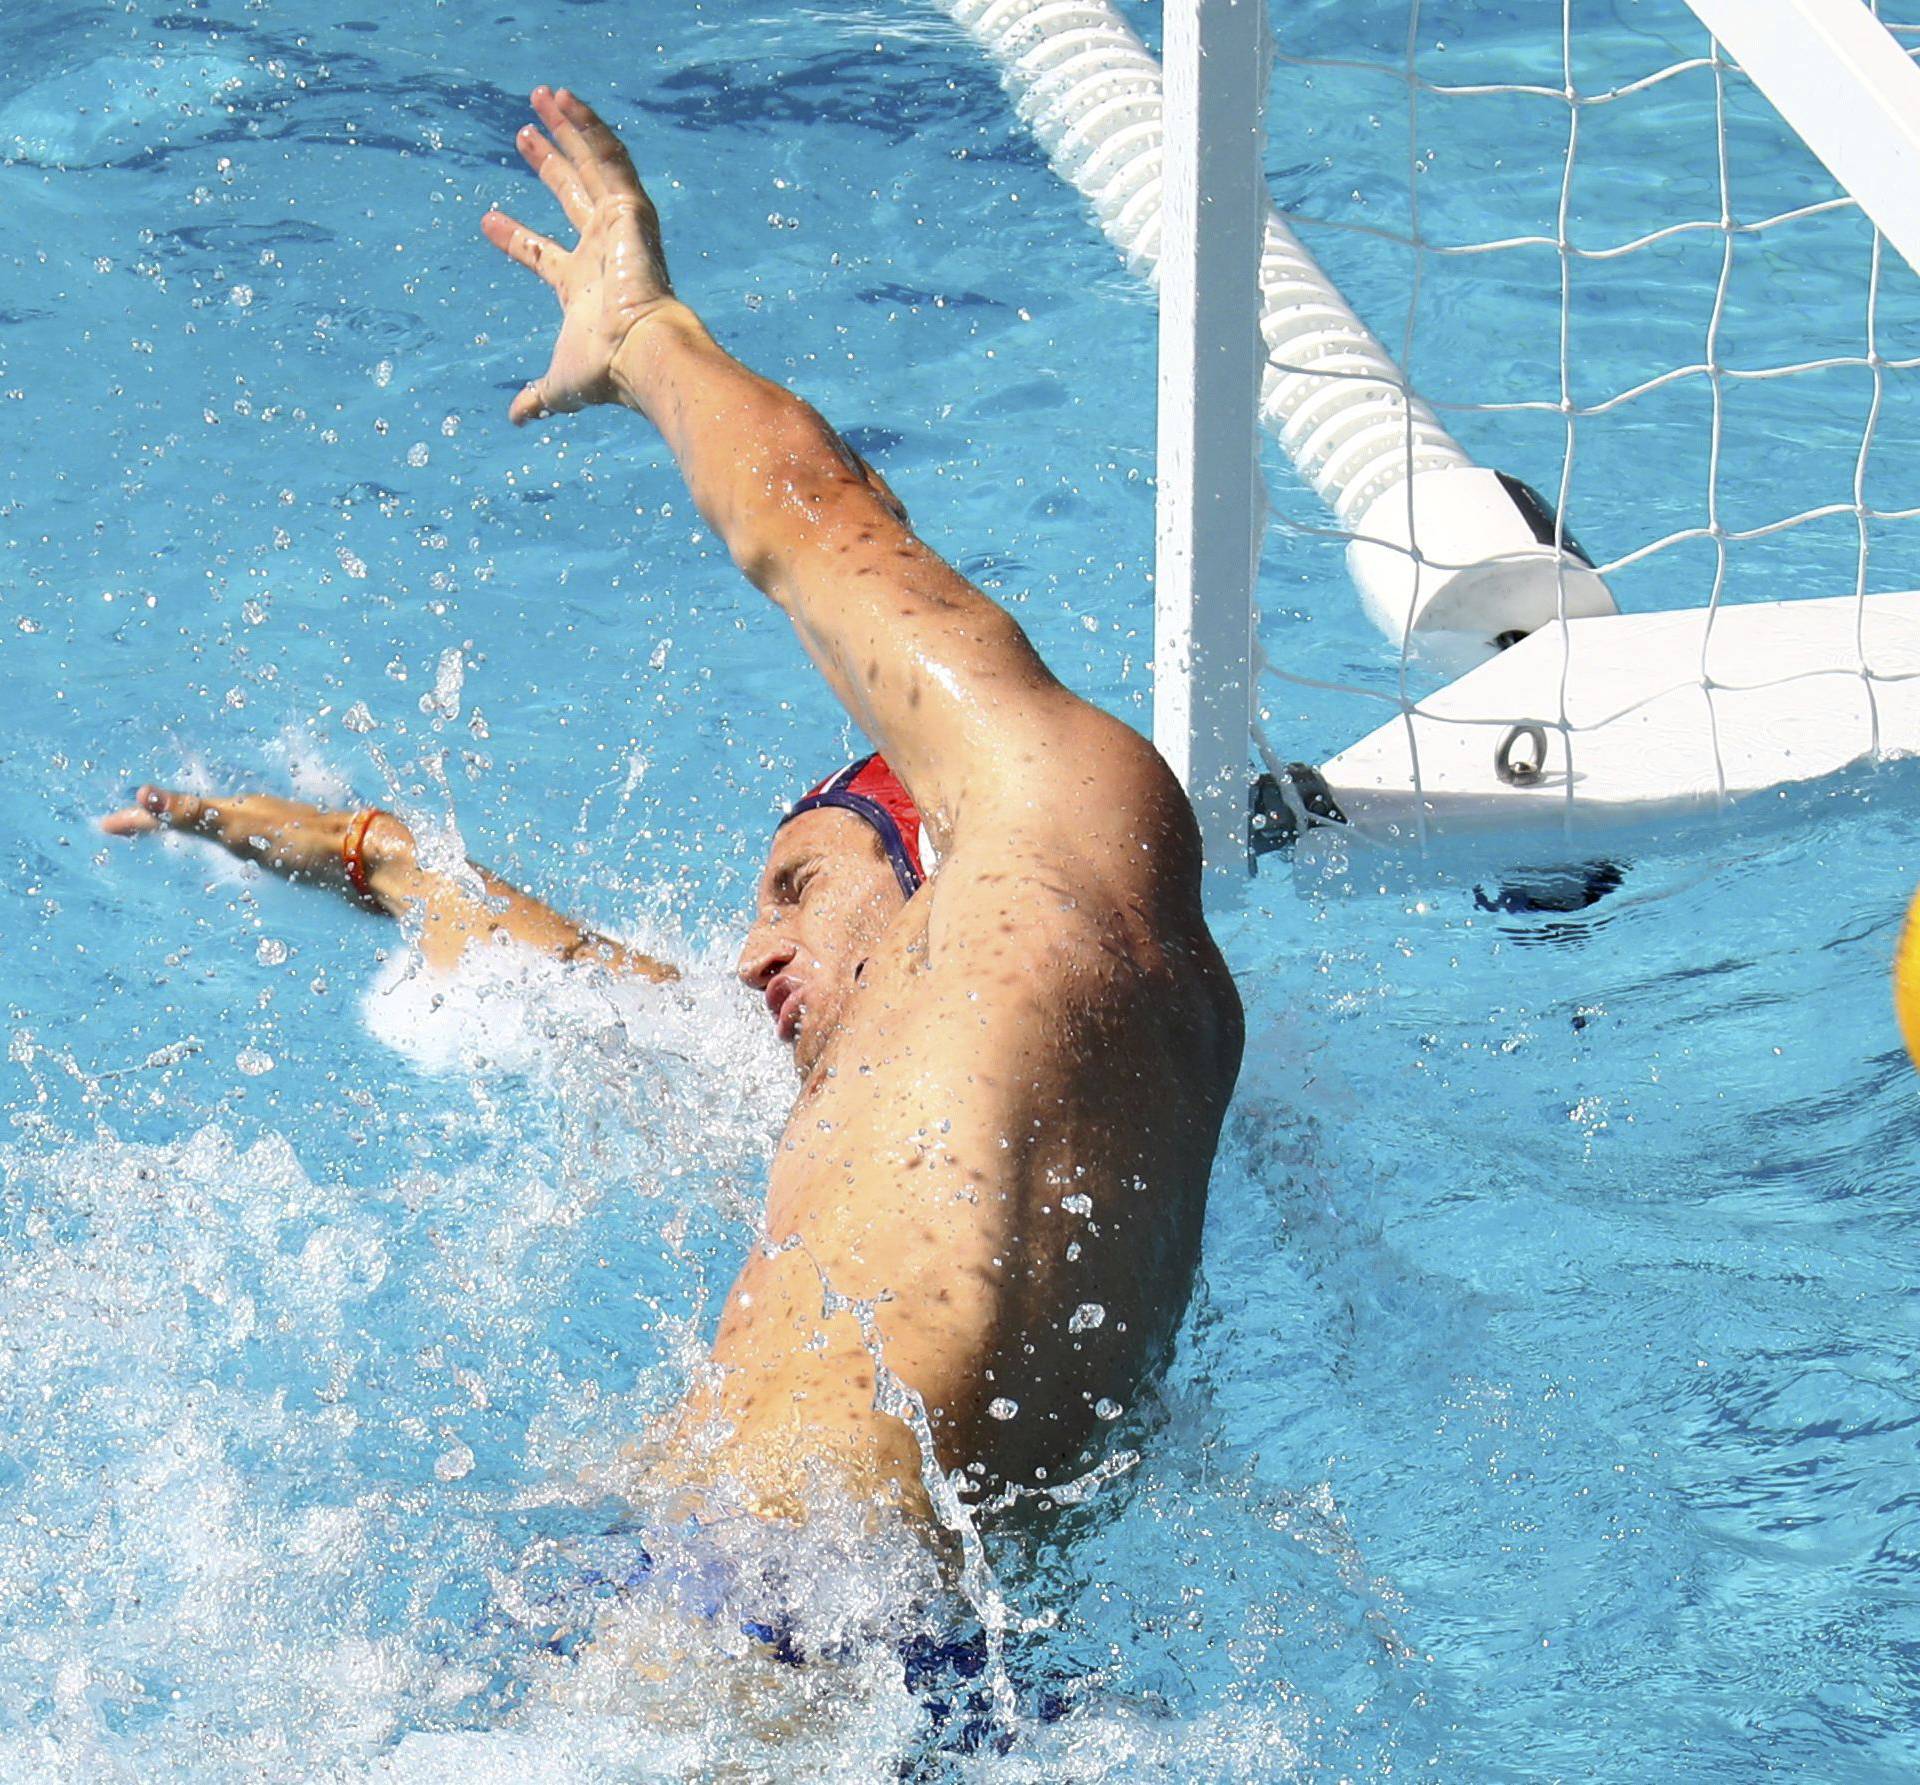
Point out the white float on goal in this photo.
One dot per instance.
(1612, 719)
(1488, 564)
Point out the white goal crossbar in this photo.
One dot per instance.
(1852, 95)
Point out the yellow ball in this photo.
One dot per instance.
(1906, 980)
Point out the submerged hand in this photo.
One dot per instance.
(614, 278)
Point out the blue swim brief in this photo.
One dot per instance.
(945, 1672)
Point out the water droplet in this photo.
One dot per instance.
(383, 373)
(253, 1061)
(1002, 1408)
(173, 1053)
(1077, 1204)
(271, 952)
(240, 297)
(1086, 1317)
(1107, 1409)
(417, 454)
(452, 1465)
(357, 718)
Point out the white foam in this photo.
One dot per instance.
(688, 1075)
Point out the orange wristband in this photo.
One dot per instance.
(351, 846)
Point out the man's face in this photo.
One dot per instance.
(826, 897)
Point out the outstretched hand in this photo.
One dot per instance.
(309, 844)
(224, 821)
(612, 279)
(154, 808)
(292, 838)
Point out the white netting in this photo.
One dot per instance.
(1623, 281)
(1671, 321)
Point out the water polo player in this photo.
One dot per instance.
(982, 1223)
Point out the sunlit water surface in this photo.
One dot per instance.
(1547, 1408)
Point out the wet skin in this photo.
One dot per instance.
(992, 1180)
(1021, 1035)
(1013, 1083)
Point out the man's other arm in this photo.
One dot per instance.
(313, 846)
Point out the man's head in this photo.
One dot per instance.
(844, 861)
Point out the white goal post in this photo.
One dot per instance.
(1578, 712)
(1208, 499)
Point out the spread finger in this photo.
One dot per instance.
(570, 141)
(608, 154)
(556, 174)
(540, 254)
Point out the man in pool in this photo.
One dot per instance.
(1013, 1069)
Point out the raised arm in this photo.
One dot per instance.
(370, 857)
(939, 676)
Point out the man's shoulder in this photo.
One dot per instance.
(1097, 811)
(1062, 915)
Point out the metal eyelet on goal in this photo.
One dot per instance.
(1522, 773)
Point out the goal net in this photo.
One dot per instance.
(1611, 267)
(1630, 419)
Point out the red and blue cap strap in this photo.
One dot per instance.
(872, 792)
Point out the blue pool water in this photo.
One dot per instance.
(1547, 1409)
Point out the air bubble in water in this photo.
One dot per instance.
(1107, 1409)
(1002, 1408)
(253, 1061)
(271, 952)
(1086, 1317)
